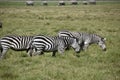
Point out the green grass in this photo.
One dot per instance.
(94, 64)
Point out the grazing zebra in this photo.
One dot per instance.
(30, 3)
(18, 43)
(43, 43)
(85, 39)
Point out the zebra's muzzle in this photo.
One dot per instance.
(77, 51)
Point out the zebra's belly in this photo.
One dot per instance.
(19, 48)
(50, 50)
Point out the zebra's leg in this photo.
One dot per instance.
(86, 44)
(54, 53)
(67, 48)
(30, 52)
(3, 53)
(41, 53)
(81, 46)
(61, 49)
(38, 52)
(33, 51)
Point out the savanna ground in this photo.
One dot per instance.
(94, 64)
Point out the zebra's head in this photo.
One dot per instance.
(101, 43)
(75, 45)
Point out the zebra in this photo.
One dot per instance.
(18, 43)
(43, 43)
(30, 3)
(85, 39)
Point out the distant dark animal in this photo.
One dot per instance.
(18, 43)
(85, 39)
(43, 44)
(61, 3)
(93, 2)
(85, 2)
(74, 2)
(45, 3)
(29, 3)
(0, 24)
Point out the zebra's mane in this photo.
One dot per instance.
(99, 36)
(91, 34)
(52, 36)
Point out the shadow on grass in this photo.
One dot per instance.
(8, 75)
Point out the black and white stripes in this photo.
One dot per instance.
(48, 43)
(35, 45)
(85, 39)
(14, 42)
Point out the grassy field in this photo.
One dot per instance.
(94, 64)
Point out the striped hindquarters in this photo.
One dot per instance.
(46, 43)
(16, 42)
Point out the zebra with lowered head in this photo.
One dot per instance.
(85, 39)
(44, 43)
(18, 43)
